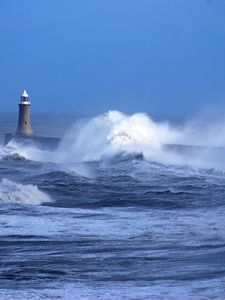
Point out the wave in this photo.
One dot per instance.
(172, 191)
(6, 152)
(27, 151)
(115, 135)
(12, 192)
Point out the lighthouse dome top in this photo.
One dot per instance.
(24, 99)
(25, 94)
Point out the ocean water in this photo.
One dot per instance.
(110, 214)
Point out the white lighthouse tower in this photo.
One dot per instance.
(24, 126)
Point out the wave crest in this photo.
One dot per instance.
(12, 192)
(113, 133)
(109, 135)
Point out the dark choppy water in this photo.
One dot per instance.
(118, 228)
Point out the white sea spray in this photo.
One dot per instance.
(12, 192)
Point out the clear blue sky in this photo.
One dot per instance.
(90, 56)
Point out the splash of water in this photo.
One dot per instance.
(12, 192)
(113, 133)
(27, 151)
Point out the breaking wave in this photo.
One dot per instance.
(12, 192)
(114, 133)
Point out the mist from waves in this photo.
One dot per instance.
(114, 133)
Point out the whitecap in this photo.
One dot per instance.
(12, 192)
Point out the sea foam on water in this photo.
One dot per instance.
(12, 192)
(113, 133)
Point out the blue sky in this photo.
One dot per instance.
(163, 57)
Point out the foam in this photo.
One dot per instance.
(113, 133)
(12, 192)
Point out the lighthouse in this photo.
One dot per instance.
(24, 133)
(24, 127)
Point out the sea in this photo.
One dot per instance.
(110, 213)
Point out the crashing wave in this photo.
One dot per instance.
(12, 192)
(113, 133)
(109, 135)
